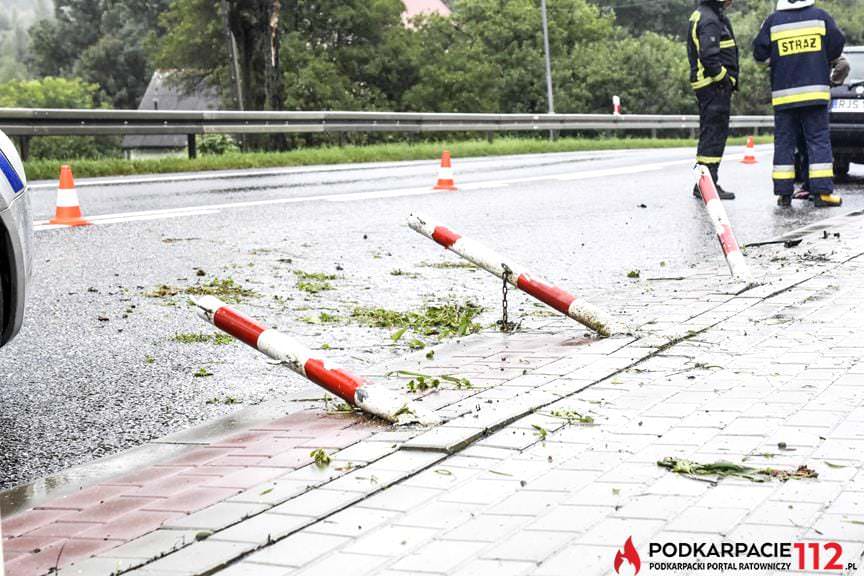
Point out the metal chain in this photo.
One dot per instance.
(505, 324)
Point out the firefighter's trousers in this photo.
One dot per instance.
(715, 106)
(809, 123)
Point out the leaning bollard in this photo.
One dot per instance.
(717, 213)
(495, 264)
(368, 397)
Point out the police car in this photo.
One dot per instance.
(847, 114)
(16, 238)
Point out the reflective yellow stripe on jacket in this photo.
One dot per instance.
(797, 29)
(815, 93)
(700, 70)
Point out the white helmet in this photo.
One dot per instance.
(794, 4)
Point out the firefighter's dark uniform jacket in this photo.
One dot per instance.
(711, 47)
(799, 44)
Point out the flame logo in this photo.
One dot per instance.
(630, 554)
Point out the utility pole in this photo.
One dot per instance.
(549, 96)
(234, 64)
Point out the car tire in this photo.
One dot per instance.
(2, 300)
(841, 167)
(2, 312)
(6, 272)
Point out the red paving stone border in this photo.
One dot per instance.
(118, 510)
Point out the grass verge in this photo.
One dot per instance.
(49, 169)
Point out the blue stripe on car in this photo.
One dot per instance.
(10, 173)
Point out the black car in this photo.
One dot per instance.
(847, 114)
(16, 238)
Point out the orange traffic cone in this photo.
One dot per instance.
(68, 209)
(445, 174)
(749, 158)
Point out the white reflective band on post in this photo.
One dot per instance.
(284, 349)
(486, 258)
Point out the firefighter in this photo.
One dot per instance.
(713, 76)
(800, 41)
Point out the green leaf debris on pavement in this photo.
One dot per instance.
(723, 469)
(320, 457)
(313, 282)
(199, 338)
(420, 382)
(443, 321)
(572, 417)
(225, 289)
(540, 431)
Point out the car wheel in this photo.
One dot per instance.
(841, 167)
(5, 285)
(3, 299)
(2, 311)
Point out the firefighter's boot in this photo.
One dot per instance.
(827, 201)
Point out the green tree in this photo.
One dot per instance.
(102, 41)
(296, 54)
(637, 70)
(667, 17)
(52, 92)
(346, 54)
(49, 92)
(489, 58)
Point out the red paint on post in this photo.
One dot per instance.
(239, 326)
(709, 191)
(339, 382)
(445, 236)
(728, 241)
(551, 295)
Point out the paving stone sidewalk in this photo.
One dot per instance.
(545, 466)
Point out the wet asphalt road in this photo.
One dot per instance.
(97, 370)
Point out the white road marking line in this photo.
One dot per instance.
(227, 175)
(118, 219)
(584, 155)
(44, 225)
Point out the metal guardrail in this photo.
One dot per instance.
(26, 123)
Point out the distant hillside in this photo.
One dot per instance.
(16, 17)
(27, 11)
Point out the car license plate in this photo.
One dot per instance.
(847, 105)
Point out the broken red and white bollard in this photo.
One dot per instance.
(717, 213)
(489, 260)
(356, 391)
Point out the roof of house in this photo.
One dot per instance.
(162, 94)
(415, 7)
